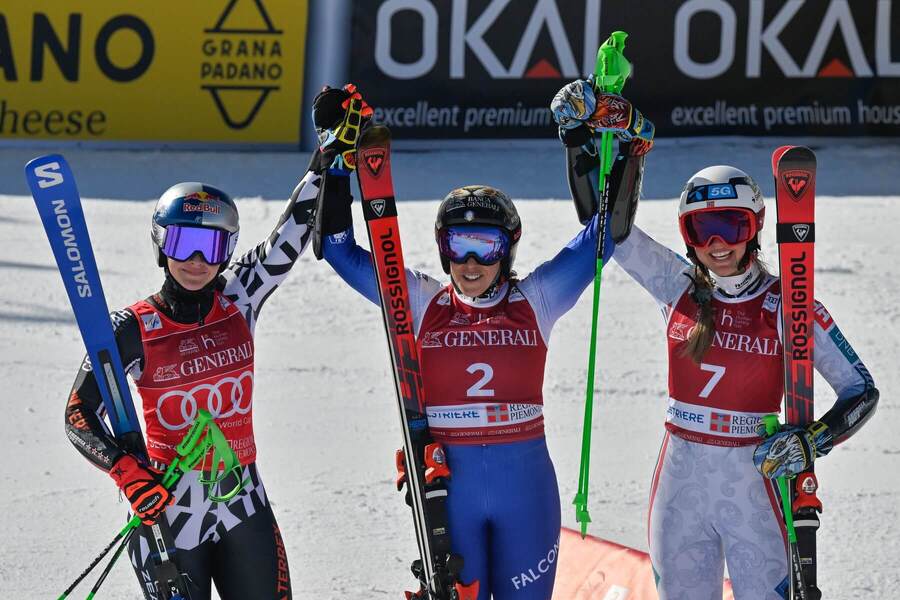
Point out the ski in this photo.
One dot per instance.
(59, 206)
(794, 168)
(421, 462)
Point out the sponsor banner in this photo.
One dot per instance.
(489, 68)
(713, 421)
(224, 71)
(482, 415)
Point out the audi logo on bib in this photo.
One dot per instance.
(227, 397)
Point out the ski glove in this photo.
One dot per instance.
(338, 115)
(143, 488)
(792, 450)
(578, 103)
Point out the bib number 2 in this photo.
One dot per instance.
(487, 373)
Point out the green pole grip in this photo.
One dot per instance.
(612, 68)
(772, 424)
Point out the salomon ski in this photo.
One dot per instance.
(59, 205)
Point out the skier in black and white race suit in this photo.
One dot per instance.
(709, 502)
(190, 346)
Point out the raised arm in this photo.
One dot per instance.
(555, 286)
(659, 270)
(251, 279)
(353, 264)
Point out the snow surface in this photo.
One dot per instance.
(324, 412)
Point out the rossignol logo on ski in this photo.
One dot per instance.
(796, 182)
(374, 160)
(378, 206)
(801, 230)
(801, 328)
(808, 484)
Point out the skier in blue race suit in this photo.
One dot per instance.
(482, 341)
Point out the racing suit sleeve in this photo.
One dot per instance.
(251, 279)
(659, 270)
(353, 264)
(84, 415)
(836, 360)
(554, 287)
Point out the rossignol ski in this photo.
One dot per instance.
(59, 205)
(794, 168)
(612, 69)
(421, 462)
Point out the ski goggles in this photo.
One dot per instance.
(731, 225)
(183, 242)
(486, 244)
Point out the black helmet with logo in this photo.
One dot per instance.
(480, 205)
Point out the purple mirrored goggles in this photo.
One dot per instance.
(486, 244)
(182, 242)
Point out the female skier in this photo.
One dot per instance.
(190, 346)
(708, 504)
(482, 341)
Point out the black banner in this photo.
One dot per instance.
(489, 68)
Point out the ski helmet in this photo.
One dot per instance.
(480, 205)
(195, 205)
(722, 187)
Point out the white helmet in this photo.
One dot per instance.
(721, 186)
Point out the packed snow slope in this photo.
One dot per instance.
(326, 424)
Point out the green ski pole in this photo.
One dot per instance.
(611, 71)
(798, 583)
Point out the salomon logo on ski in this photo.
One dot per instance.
(49, 175)
(796, 182)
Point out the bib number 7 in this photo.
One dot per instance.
(717, 373)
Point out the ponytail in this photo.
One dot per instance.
(701, 336)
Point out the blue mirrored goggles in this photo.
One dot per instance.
(183, 242)
(486, 244)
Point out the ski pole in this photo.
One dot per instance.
(798, 583)
(203, 435)
(125, 530)
(109, 566)
(612, 69)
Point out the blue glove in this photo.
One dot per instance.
(791, 450)
(574, 104)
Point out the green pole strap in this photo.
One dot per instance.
(772, 426)
(611, 71)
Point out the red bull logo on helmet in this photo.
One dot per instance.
(203, 198)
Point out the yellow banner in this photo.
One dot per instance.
(220, 71)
